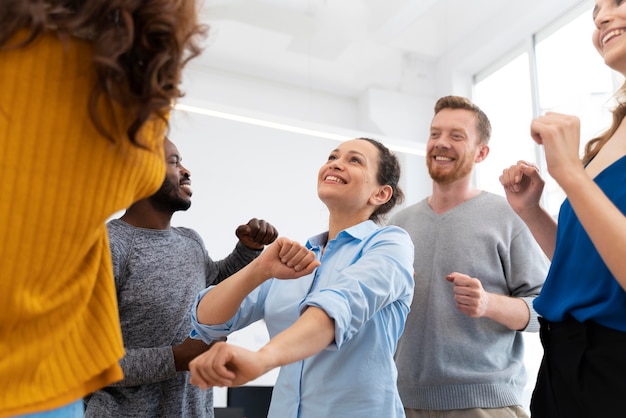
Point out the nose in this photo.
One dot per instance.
(184, 172)
(336, 164)
(443, 141)
(602, 16)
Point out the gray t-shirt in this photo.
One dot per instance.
(158, 274)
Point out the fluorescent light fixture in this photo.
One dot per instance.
(285, 127)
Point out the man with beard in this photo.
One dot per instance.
(159, 270)
(477, 270)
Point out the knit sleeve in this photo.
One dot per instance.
(147, 365)
(528, 270)
(241, 256)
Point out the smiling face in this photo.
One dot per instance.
(609, 37)
(453, 146)
(175, 192)
(348, 179)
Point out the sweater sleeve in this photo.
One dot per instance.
(528, 269)
(241, 256)
(147, 365)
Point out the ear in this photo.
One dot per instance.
(382, 195)
(482, 153)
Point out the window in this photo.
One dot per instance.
(505, 97)
(570, 78)
(573, 79)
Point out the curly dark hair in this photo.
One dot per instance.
(388, 174)
(139, 48)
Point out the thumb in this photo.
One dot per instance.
(242, 231)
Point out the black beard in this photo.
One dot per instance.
(166, 199)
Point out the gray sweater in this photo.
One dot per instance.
(447, 360)
(158, 274)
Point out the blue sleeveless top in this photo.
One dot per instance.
(579, 283)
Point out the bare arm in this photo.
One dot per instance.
(523, 187)
(603, 221)
(475, 302)
(284, 259)
(229, 365)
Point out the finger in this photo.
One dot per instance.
(288, 250)
(527, 168)
(208, 366)
(537, 130)
(504, 178)
(265, 233)
(307, 264)
(198, 377)
(242, 231)
(256, 229)
(271, 235)
(298, 257)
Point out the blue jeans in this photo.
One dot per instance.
(73, 410)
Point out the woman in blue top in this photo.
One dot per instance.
(583, 301)
(334, 330)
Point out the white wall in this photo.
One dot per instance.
(240, 171)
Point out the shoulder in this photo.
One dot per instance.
(392, 235)
(406, 214)
(116, 225)
(119, 231)
(188, 233)
(121, 238)
(496, 205)
(497, 215)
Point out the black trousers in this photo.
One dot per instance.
(583, 371)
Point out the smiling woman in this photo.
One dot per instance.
(323, 301)
(583, 320)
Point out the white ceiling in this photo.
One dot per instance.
(347, 46)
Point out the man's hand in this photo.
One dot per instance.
(470, 297)
(187, 351)
(256, 234)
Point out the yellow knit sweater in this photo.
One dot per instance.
(60, 180)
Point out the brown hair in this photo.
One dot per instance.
(388, 174)
(483, 126)
(595, 145)
(140, 48)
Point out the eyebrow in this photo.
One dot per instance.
(452, 129)
(350, 152)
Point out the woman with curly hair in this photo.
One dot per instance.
(87, 90)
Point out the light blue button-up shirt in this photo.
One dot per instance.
(365, 283)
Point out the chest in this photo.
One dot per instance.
(612, 151)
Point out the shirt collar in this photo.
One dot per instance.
(358, 231)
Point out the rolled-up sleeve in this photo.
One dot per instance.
(251, 310)
(380, 273)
